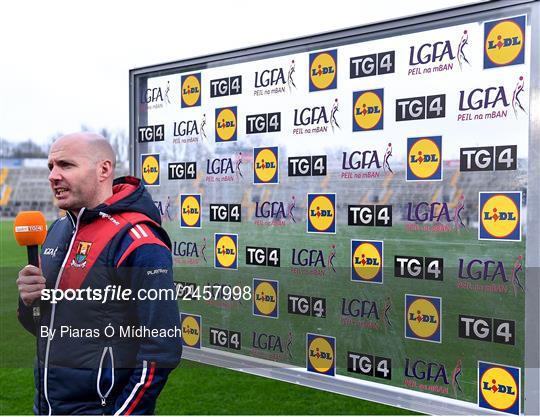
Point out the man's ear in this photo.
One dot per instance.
(105, 170)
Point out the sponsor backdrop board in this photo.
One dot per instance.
(355, 205)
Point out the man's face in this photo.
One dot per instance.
(73, 175)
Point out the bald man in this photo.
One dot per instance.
(105, 344)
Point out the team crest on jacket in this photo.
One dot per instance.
(82, 253)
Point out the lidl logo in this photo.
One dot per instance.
(190, 210)
(226, 124)
(323, 70)
(225, 251)
(499, 216)
(368, 110)
(321, 354)
(191, 330)
(367, 261)
(423, 318)
(266, 165)
(191, 90)
(266, 298)
(498, 387)
(504, 42)
(424, 158)
(150, 168)
(321, 213)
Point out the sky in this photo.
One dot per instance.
(66, 63)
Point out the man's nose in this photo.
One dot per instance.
(54, 175)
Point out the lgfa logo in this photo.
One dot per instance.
(265, 298)
(321, 213)
(190, 210)
(153, 98)
(499, 216)
(321, 354)
(424, 158)
(226, 124)
(504, 42)
(225, 251)
(150, 169)
(367, 261)
(438, 51)
(323, 70)
(499, 387)
(368, 110)
(191, 330)
(423, 318)
(191, 90)
(266, 165)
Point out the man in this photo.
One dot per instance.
(91, 360)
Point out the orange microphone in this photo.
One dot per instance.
(30, 230)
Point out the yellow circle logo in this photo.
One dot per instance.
(266, 165)
(367, 262)
(500, 216)
(424, 159)
(265, 299)
(423, 318)
(191, 90)
(150, 169)
(504, 42)
(190, 211)
(226, 251)
(191, 331)
(323, 70)
(499, 388)
(321, 214)
(321, 355)
(226, 124)
(368, 110)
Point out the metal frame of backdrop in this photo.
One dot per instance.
(368, 390)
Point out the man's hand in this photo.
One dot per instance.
(30, 284)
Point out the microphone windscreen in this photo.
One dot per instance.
(30, 228)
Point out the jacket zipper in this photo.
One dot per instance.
(103, 397)
(47, 349)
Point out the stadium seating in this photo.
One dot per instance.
(25, 188)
